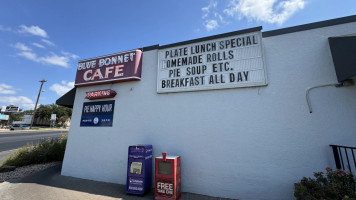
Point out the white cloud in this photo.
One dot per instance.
(49, 43)
(211, 24)
(52, 59)
(33, 30)
(6, 89)
(61, 59)
(55, 60)
(270, 11)
(38, 45)
(212, 16)
(21, 47)
(62, 88)
(206, 10)
(3, 28)
(29, 55)
(23, 102)
(73, 56)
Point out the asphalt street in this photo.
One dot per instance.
(16, 139)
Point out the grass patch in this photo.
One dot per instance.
(46, 151)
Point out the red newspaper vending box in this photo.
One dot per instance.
(167, 177)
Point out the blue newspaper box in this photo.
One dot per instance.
(139, 169)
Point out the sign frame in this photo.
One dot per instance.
(100, 94)
(4, 117)
(128, 68)
(213, 87)
(53, 116)
(94, 115)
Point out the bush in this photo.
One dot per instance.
(334, 185)
(47, 151)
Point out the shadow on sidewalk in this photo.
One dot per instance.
(52, 177)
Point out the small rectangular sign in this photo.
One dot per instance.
(165, 188)
(119, 67)
(100, 94)
(230, 62)
(4, 117)
(53, 116)
(136, 184)
(99, 113)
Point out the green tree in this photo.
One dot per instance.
(15, 117)
(44, 112)
(62, 113)
(27, 112)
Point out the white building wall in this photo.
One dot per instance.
(247, 143)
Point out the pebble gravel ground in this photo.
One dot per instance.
(25, 171)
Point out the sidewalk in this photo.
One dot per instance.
(50, 185)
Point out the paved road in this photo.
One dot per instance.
(14, 140)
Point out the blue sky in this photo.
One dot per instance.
(45, 39)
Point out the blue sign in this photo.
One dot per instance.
(4, 117)
(98, 113)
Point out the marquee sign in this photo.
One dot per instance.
(100, 94)
(119, 67)
(229, 62)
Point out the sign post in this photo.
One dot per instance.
(38, 97)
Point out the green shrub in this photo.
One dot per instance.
(334, 185)
(46, 151)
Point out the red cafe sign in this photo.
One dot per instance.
(100, 94)
(119, 67)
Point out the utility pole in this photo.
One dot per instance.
(38, 97)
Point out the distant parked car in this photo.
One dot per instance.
(19, 127)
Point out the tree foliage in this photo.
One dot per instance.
(15, 117)
(334, 185)
(62, 113)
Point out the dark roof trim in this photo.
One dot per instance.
(239, 32)
(67, 100)
(149, 48)
(304, 27)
